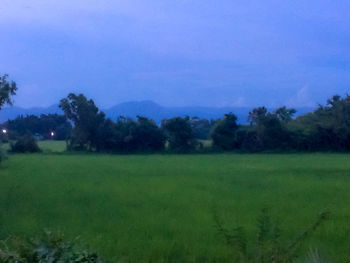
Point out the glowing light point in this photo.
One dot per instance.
(4, 131)
(52, 134)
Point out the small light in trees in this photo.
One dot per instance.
(52, 134)
(4, 131)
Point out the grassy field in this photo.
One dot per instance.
(52, 146)
(47, 146)
(161, 207)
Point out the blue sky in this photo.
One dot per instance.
(177, 53)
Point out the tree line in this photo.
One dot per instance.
(86, 128)
(325, 129)
(45, 126)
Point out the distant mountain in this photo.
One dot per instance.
(147, 109)
(157, 113)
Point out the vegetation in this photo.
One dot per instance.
(7, 90)
(87, 119)
(162, 208)
(267, 246)
(325, 129)
(25, 144)
(180, 134)
(50, 247)
(201, 128)
(224, 133)
(52, 146)
(50, 126)
(154, 208)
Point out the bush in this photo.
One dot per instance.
(268, 245)
(25, 144)
(49, 247)
(2, 154)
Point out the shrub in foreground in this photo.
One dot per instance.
(49, 248)
(268, 246)
(25, 144)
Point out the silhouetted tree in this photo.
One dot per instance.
(327, 128)
(7, 89)
(283, 114)
(87, 121)
(44, 125)
(267, 129)
(179, 134)
(224, 134)
(257, 115)
(201, 128)
(147, 135)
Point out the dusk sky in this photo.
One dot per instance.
(177, 53)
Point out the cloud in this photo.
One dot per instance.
(301, 99)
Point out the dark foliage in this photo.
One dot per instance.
(49, 247)
(92, 131)
(2, 155)
(268, 130)
(268, 245)
(179, 134)
(201, 128)
(325, 129)
(148, 136)
(7, 89)
(224, 133)
(51, 126)
(87, 121)
(127, 135)
(25, 144)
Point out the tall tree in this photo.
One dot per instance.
(267, 129)
(87, 121)
(284, 114)
(257, 115)
(224, 133)
(7, 89)
(147, 135)
(327, 128)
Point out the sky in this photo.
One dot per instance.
(240, 53)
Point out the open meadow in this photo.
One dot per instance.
(145, 208)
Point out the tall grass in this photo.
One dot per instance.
(267, 247)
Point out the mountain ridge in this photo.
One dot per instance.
(146, 108)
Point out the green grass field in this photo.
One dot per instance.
(52, 146)
(46, 146)
(160, 207)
